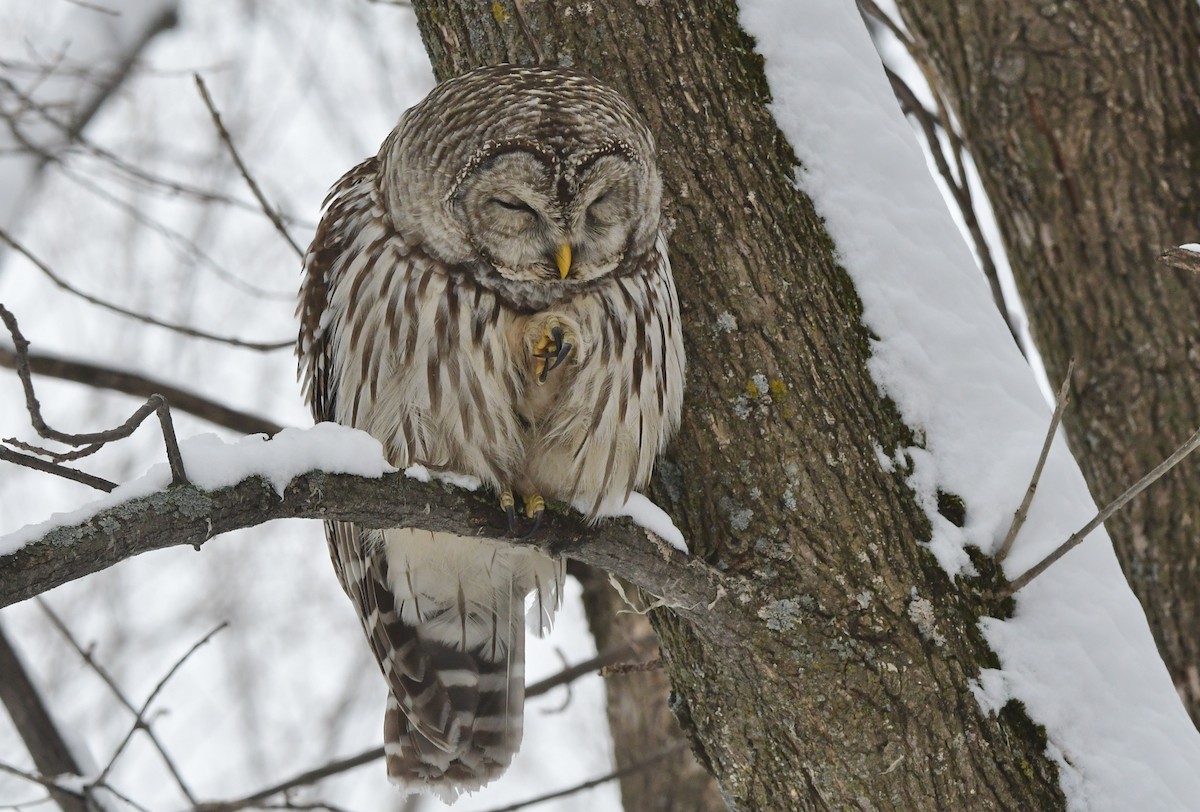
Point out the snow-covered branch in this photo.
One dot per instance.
(190, 515)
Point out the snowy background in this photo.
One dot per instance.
(310, 87)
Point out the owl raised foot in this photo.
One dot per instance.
(553, 342)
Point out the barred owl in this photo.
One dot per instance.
(489, 295)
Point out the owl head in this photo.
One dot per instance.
(539, 180)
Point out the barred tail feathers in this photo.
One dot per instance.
(455, 714)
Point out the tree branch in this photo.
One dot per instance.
(87, 656)
(595, 782)
(1022, 511)
(130, 383)
(33, 722)
(187, 515)
(1190, 445)
(145, 318)
(92, 440)
(310, 777)
(1182, 258)
(270, 211)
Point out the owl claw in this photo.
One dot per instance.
(537, 522)
(535, 508)
(510, 511)
(553, 348)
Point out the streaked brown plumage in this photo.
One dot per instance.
(489, 295)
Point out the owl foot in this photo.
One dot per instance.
(552, 349)
(535, 508)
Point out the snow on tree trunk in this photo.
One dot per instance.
(1084, 123)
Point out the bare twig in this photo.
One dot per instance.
(129, 383)
(870, 7)
(269, 210)
(38, 464)
(1170, 462)
(133, 314)
(186, 246)
(302, 780)
(139, 722)
(155, 403)
(33, 722)
(87, 657)
(631, 668)
(612, 655)
(1022, 512)
(959, 186)
(1181, 258)
(170, 186)
(595, 782)
(604, 659)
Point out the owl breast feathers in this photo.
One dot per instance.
(490, 295)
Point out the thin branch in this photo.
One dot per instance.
(302, 780)
(107, 678)
(172, 187)
(45, 466)
(605, 659)
(309, 777)
(871, 8)
(154, 404)
(632, 668)
(959, 188)
(1060, 404)
(269, 210)
(48, 747)
(1181, 258)
(130, 383)
(54, 456)
(1170, 462)
(133, 314)
(185, 246)
(958, 184)
(595, 782)
(139, 722)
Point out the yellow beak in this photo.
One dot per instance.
(562, 258)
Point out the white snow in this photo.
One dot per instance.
(423, 474)
(1194, 247)
(1078, 651)
(211, 463)
(647, 515)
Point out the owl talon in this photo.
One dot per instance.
(537, 522)
(552, 349)
(535, 508)
(510, 510)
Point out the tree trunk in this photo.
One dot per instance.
(795, 693)
(1084, 121)
(639, 715)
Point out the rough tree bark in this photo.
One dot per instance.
(795, 695)
(1084, 121)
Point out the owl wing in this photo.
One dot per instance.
(350, 239)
